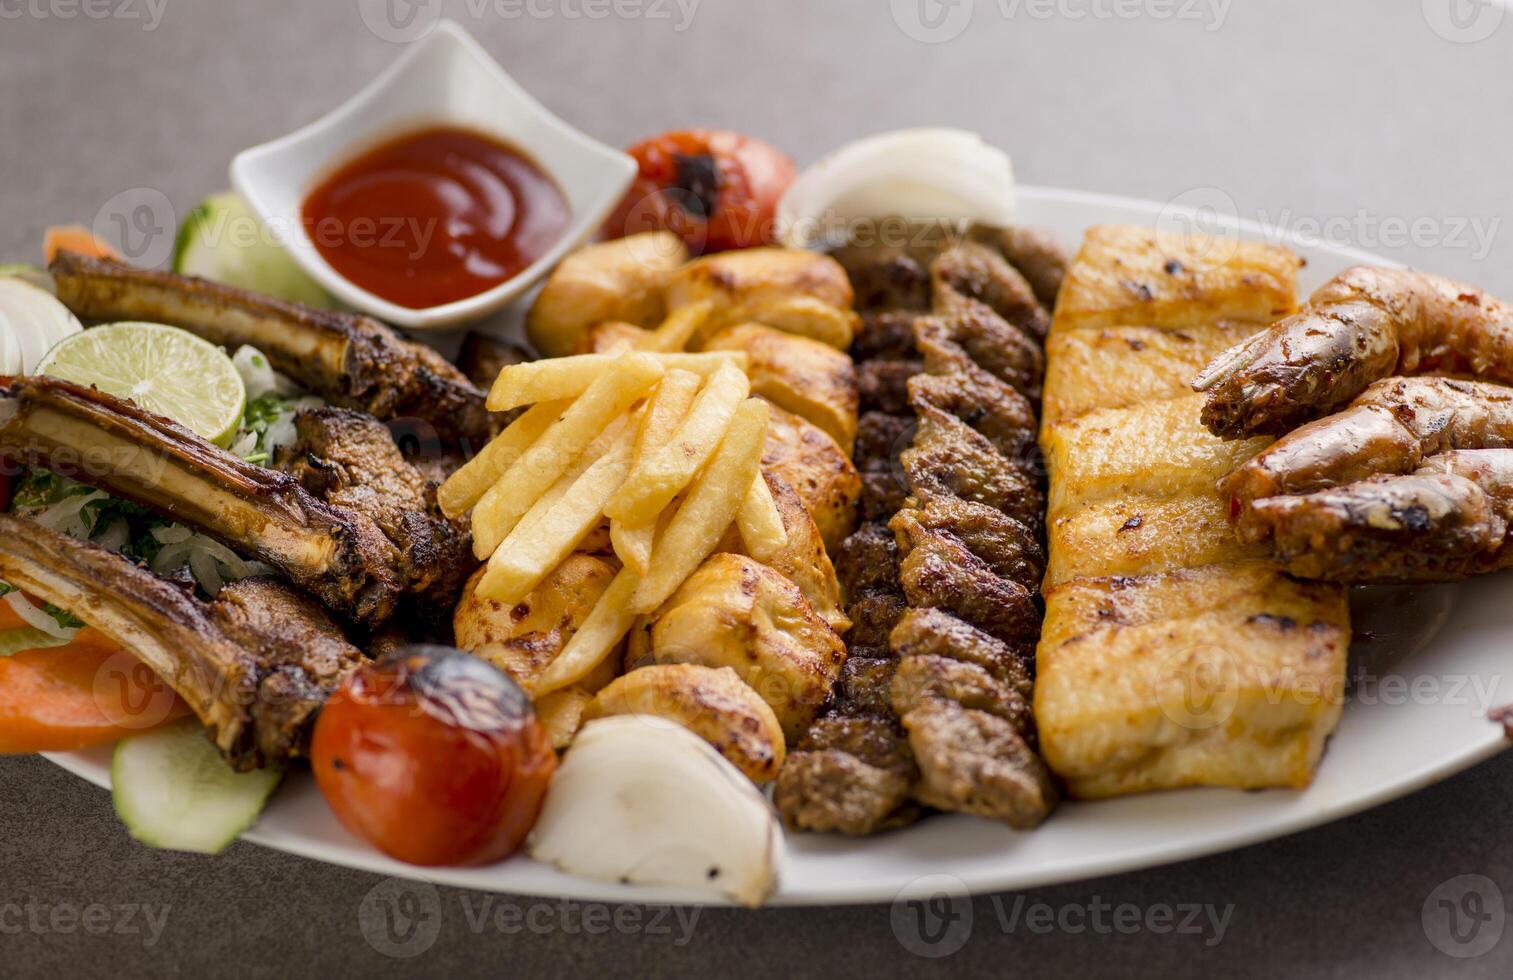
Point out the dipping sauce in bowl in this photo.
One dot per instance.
(435, 216)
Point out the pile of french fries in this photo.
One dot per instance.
(664, 445)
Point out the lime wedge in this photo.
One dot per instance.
(163, 369)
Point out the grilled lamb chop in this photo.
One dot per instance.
(335, 554)
(350, 460)
(255, 665)
(349, 360)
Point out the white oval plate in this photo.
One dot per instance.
(1421, 719)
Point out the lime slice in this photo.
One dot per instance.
(163, 369)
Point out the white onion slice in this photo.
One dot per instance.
(38, 618)
(32, 321)
(949, 175)
(639, 799)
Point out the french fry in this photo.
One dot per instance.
(679, 327)
(536, 547)
(602, 630)
(659, 476)
(664, 412)
(569, 377)
(760, 523)
(500, 509)
(708, 509)
(472, 480)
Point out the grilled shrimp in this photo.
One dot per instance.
(1365, 324)
(1448, 520)
(1391, 428)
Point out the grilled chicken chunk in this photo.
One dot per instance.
(255, 665)
(350, 460)
(793, 290)
(336, 554)
(714, 704)
(736, 612)
(803, 559)
(803, 456)
(349, 360)
(810, 379)
(522, 640)
(622, 279)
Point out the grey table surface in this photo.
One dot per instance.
(1385, 125)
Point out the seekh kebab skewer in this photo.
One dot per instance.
(933, 705)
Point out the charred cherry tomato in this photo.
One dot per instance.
(434, 757)
(717, 190)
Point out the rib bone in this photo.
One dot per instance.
(333, 553)
(350, 360)
(255, 666)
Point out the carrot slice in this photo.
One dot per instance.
(74, 238)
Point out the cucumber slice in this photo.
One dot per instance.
(222, 240)
(173, 789)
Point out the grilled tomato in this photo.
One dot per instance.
(433, 756)
(717, 190)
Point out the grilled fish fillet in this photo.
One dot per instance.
(1170, 656)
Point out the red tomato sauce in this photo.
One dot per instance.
(435, 216)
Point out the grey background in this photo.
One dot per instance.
(1353, 112)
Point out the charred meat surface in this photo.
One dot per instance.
(255, 665)
(350, 460)
(933, 706)
(336, 554)
(348, 359)
(482, 357)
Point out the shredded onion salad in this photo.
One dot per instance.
(167, 548)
